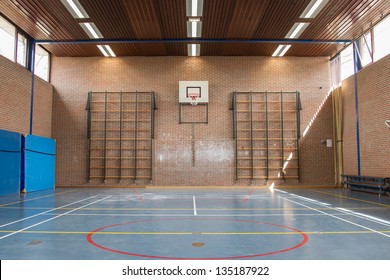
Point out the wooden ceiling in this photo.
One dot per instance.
(242, 20)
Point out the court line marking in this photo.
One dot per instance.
(248, 197)
(190, 209)
(352, 198)
(138, 195)
(15, 202)
(53, 209)
(55, 217)
(338, 218)
(343, 210)
(202, 233)
(194, 204)
(364, 216)
(190, 215)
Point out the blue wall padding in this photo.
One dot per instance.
(10, 162)
(39, 163)
(40, 144)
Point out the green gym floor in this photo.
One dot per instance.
(195, 223)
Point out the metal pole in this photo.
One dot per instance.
(135, 136)
(105, 138)
(355, 68)
(120, 135)
(298, 132)
(152, 112)
(266, 134)
(89, 106)
(234, 117)
(32, 65)
(236, 123)
(151, 132)
(282, 126)
(251, 118)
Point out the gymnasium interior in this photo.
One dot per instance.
(194, 130)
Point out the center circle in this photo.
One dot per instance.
(113, 250)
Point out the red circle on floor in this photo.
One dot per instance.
(305, 239)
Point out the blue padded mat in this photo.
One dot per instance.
(39, 163)
(10, 162)
(40, 144)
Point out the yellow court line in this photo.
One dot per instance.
(35, 198)
(357, 199)
(196, 233)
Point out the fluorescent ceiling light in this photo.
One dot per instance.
(277, 50)
(281, 50)
(284, 50)
(106, 50)
(193, 49)
(297, 30)
(194, 29)
(194, 19)
(91, 29)
(75, 8)
(103, 50)
(194, 8)
(314, 7)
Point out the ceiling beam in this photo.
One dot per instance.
(190, 40)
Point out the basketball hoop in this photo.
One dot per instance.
(193, 99)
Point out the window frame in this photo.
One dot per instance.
(28, 41)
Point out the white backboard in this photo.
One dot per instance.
(187, 88)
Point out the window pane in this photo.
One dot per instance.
(381, 39)
(365, 49)
(41, 63)
(22, 42)
(7, 41)
(346, 57)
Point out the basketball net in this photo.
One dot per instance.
(193, 100)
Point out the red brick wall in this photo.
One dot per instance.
(374, 109)
(73, 78)
(15, 92)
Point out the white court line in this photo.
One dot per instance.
(45, 221)
(341, 219)
(365, 217)
(190, 215)
(349, 212)
(346, 211)
(29, 217)
(194, 202)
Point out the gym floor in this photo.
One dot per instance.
(195, 223)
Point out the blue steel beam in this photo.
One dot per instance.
(356, 66)
(191, 40)
(32, 69)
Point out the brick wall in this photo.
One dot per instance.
(214, 160)
(15, 92)
(374, 109)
